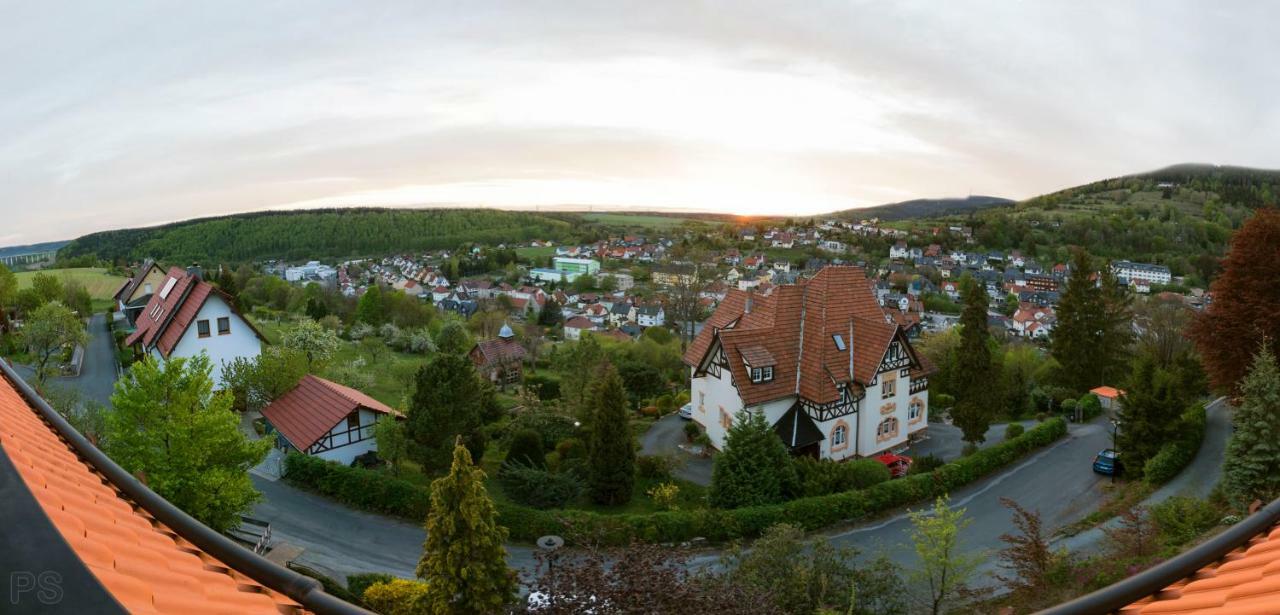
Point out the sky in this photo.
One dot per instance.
(133, 113)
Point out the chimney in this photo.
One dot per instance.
(747, 309)
(194, 270)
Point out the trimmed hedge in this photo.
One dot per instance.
(716, 525)
(1175, 455)
(359, 488)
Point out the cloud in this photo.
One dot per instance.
(145, 112)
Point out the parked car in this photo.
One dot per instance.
(686, 411)
(1107, 462)
(898, 465)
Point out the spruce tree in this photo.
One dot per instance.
(581, 369)
(1150, 413)
(1077, 341)
(1116, 320)
(973, 378)
(463, 560)
(449, 401)
(1252, 468)
(610, 451)
(754, 467)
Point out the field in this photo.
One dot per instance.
(537, 254)
(636, 220)
(100, 284)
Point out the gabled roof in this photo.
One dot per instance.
(168, 315)
(116, 544)
(796, 428)
(796, 325)
(579, 322)
(499, 350)
(314, 407)
(130, 285)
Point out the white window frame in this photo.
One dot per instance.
(838, 436)
(888, 388)
(914, 410)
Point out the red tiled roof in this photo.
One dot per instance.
(579, 322)
(312, 408)
(176, 312)
(499, 350)
(144, 564)
(1108, 392)
(796, 325)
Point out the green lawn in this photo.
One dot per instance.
(100, 284)
(639, 220)
(537, 254)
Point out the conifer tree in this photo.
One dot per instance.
(1116, 344)
(449, 401)
(972, 381)
(463, 560)
(610, 451)
(1252, 468)
(1150, 412)
(754, 467)
(1077, 341)
(1228, 332)
(581, 367)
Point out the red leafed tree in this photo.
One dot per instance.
(1245, 296)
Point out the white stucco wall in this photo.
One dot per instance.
(345, 453)
(710, 396)
(872, 415)
(240, 342)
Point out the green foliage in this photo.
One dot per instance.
(449, 401)
(1252, 466)
(398, 597)
(453, 338)
(1013, 430)
(1093, 332)
(357, 583)
(641, 380)
(929, 463)
(49, 330)
(971, 378)
(527, 449)
(823, 477)
(370, 309)
(168, 424)
(1149, 412)
(315, 342)
(536, 487)
(580, 365)
(611, 452)
(1181, 519)
(359, 488)
(1089, 406)
(691, 431)
(554, 428)
(1175, 454)
(463, 559)
(657, 467)
(258, 381)
(393, 441)
(754, 468)
(944, 569)
(804, 576)
(323, 234)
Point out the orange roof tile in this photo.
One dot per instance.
(146, 565)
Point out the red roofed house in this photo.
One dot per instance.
(835, 376)
(500, 360)
(326, 420)
(1109, 397)
(187, 316)
(574, 327)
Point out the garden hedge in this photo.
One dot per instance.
(358, 488)
(1176, 454)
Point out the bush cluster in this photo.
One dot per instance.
(397, 597)
(1177, 453)
(361, 488)
(824, 477)
(536, 487)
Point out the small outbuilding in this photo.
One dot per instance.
(326, 419)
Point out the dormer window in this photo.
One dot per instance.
(759, 363)
(761, 374)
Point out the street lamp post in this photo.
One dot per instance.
(549, 545)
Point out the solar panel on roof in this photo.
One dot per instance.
(168, 286)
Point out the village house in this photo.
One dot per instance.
(135, 293)
(820, 359)
(574, 327)
(326, 420)
(899, 250)
(650, 316)
(188, 316)
(500, 360)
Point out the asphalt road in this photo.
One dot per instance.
(97, 371)
(664, 437)
(946, 441)
(339, 541)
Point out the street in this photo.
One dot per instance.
(97, 377)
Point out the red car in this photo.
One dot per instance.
(898, 464)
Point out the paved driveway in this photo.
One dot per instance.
(946, 441)
(664, 437)
(97, 377)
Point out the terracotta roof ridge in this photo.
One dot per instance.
(346, 393)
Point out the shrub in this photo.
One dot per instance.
(546, 388)
(1181, 519)
(650, 411)
(691, 431)
(526, 449)
(1089, 406)
(1013, 430)
(360, 488)
(944, 401)
(397, 597)
(665, 495)
(553, 427)
(1176, 454)
(1069, 407)
(571, 448)
(359, 582)
(823, 477)
(926, 464)
(537, 487)
(657, 467)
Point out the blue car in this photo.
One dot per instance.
(1107, 462)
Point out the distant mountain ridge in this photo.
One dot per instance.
(925, 208)
(35, 248)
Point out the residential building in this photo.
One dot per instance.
(188, 316)
(1108, 397)
(135, 293)
(325, 419)
(650, 316)
(899, 250)
(820, 359)
(576, 326)
(1141, 274)
(500, 360)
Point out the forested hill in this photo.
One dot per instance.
(317, 234)
(924, 208)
